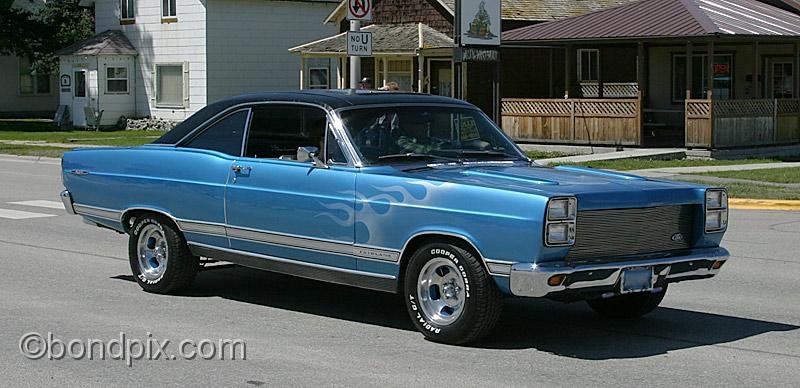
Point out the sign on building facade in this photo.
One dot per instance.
(480, 22)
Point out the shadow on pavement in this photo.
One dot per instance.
(570, 330)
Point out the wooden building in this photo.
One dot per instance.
(620, 76)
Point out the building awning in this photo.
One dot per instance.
(667, 19)
(110, 42)
(400, 39)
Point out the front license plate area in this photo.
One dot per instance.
(636, 279)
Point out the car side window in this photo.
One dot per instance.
(278, 130)
(226, 135)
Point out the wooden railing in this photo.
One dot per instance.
(574, 121)
(737, 123)
(610, 90)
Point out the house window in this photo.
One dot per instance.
(32, 83)
(782, 79)
(588, 65)
(116, 80)
(318, 78)
(168, 9)
(170, 85)
(723, 77)
(400, 71)
(126, 9)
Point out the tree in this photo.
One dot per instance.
(38, 33)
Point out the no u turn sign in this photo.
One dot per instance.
(359, 9)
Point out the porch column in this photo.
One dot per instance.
(385, 70)
(551, 89)
(600, 72)
(641, 68)
(756, 71)
(710, 71)
(796, 70)
(302, 71)
(568, 71)
(338, 73)
(420, 72)
(689, 75)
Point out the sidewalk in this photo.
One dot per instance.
(42, 143)
(634, 153)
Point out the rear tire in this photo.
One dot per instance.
(449, 295)
(628, 306)
(159, 256)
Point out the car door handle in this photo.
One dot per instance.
(241, 169)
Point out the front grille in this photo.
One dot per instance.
(631, 232)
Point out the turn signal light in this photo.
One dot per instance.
(556, 280)
(718, 264)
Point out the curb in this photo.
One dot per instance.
(763, 204)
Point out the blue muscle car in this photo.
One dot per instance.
(404, 193)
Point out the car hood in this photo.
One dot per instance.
(595, 189)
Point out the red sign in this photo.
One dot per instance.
(722, 69)
(359, 9)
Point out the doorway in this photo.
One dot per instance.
(440, 73)
(79, 97)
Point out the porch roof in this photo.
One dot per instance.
(386, 39)
(666, 19)
(109, 42)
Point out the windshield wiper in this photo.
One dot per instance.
(413, 155)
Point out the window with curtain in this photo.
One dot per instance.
(126, 9)
(400, 71)
(782, 81)
(169, 85)
(30, 81)
(168, 9)
(116, 79)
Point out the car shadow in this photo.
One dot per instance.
(570, 330)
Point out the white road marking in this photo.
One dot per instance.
(20, 215)
(40, 203)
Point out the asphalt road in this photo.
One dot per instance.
(62, 276)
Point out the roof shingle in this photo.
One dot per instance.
(109, 42)
(399, 38)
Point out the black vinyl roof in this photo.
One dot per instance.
(331, 99)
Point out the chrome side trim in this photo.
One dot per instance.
(66, 199)
(201, 228)
(108, 214)
(530, 279)
(312, 244)
(373, 281)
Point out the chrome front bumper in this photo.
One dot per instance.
(66, 199)
(531, 280)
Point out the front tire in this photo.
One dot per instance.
(449, 295)
(159, 257)
(628, 306)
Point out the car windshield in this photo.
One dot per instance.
(430, 134)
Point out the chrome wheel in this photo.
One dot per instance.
(441, 291)
(152, 252)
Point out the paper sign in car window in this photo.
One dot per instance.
(468, 130)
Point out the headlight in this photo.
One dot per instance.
(560, 221)
(716, 210)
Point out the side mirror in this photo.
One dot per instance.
(309, 154)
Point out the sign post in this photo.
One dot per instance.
(477, 39)
(357, 11)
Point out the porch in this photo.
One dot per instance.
(630, 77)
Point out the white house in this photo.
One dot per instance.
(186, 54)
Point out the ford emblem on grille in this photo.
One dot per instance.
(677, 237)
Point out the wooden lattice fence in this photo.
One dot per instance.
(736, 123)
(576, 121)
